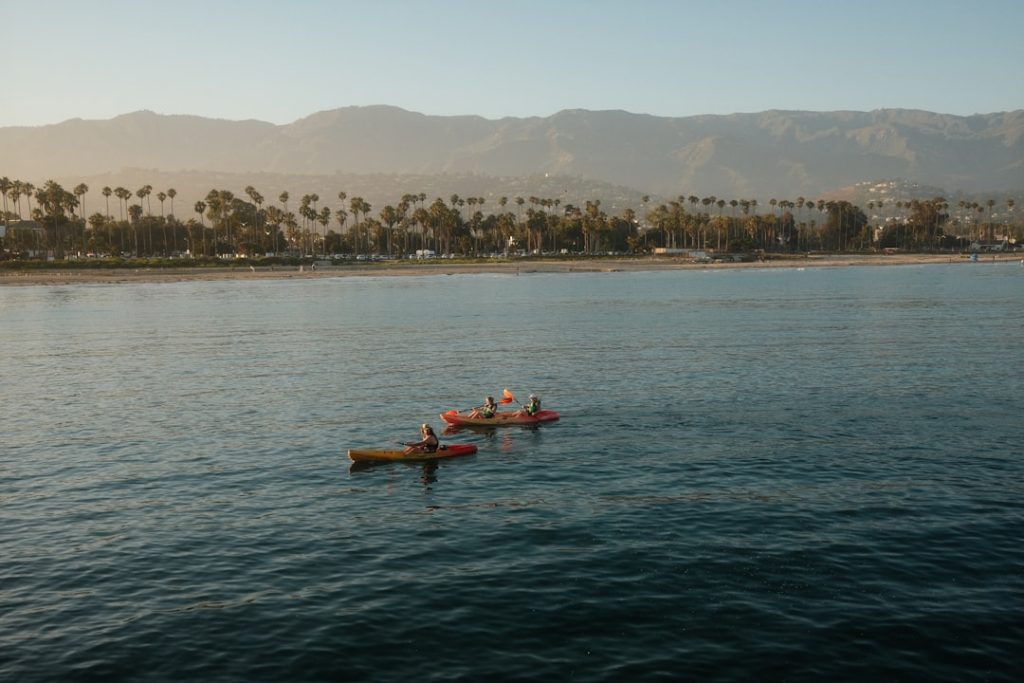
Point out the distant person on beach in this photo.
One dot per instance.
(427, 444)
(487, 410)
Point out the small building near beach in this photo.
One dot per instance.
(26, 236)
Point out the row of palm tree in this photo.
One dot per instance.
(228, 224)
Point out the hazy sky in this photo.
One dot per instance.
(280, 61)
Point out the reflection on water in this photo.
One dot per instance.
(427, 469)
(502, 438)
(429, 473)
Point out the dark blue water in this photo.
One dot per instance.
(760, 474)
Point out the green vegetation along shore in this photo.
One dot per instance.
(58, 227)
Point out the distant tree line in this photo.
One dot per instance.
(125, 224)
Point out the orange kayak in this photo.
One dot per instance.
(380, 454)
(454, 417)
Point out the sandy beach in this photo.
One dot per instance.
(440, 267)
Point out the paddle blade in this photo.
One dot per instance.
(508, 397)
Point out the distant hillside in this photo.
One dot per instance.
(768, 154)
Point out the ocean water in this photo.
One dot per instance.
(776, 474)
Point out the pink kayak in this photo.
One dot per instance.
(454, 417)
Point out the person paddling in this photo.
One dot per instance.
(487, 410)
(428, 444)
(532, 406)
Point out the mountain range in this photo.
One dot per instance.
(757, 155)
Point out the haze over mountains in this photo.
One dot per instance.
(768, 154)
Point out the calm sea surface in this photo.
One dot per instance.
(759, 474)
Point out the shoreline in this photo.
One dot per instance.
(406, 269)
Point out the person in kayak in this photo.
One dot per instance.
(428, 444)
(532, 406)
(487, 410)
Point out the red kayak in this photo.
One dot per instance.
(381, 454)
(454, 417)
